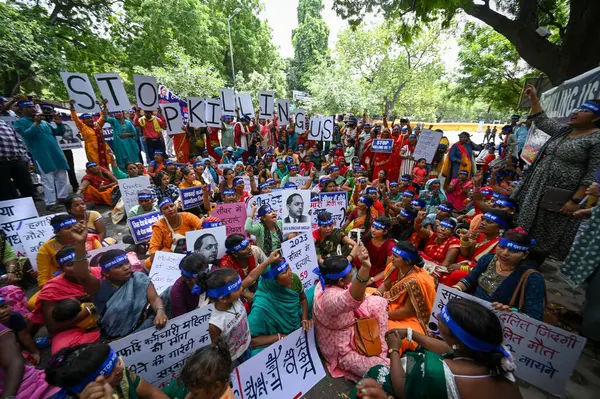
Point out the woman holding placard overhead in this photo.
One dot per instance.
(268, 231)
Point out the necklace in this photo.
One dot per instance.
(464, 358)
(503, 270)
(404, 274)
(235, 312)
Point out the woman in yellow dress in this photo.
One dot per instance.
(409, 290)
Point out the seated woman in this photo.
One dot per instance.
(362, 216)
(268, 231)
(46, 256)
(441, 246)
(125, 301)
(470, 360)
(67, 330)
(379, 244)
(409, 290)
(241, 256)
(433, 195)
(477, 243)
(17, 379)
(189, 178)
(156, 165)
(339, 299)
(99, 185)
(279, 307)
(404, 227)
(16, 322)
(97, 368)
(183, 300)
(496, 276)
(280, 171)
(163, 189)
(77, 208)
(9, 265)
(168, 234)
(328, 239)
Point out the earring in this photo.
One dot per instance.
(454, 347)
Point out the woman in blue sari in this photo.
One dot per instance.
(121, 297)
(496, 277)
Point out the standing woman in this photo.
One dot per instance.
(268, 231)
(567, 162)
(125, 138)
(408, 162)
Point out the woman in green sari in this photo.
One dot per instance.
(279, 308)
(469, 362)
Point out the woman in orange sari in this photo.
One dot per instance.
(409, 290)
(362, 216)
(98, 185)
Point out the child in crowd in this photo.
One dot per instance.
(420, 174)
(16, 322)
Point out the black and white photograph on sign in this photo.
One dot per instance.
(70, 138)
(296, 208)
(207, 242)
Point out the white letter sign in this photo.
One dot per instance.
(283, 111)
(228, 102)
(315, 132)
(266, 102)
(146, 92)
(300, 120)
(327, 128)
(245, 103)
(196, 111)
(172, 113)
(213, 112)
(111, 88)
(80, 89)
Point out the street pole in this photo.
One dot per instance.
(231, 45)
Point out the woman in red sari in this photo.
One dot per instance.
(477, 243)
(98, 185)
(379, 244)
(441, 247)
(381, 159)
(395, 161)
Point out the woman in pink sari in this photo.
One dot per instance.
(70, 330)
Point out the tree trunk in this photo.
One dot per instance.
(579, 52)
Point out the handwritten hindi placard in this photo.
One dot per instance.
(247, 187)
(165, 270)
(159, 355)
(141, 226)
(275, 199)
(130, 188)
(190, 197)
(545, 355)
(382, 145)
(233, 216)
(301, 255)
(334, 203)
(11, 230)
(17, 209)
(285, 370)
(300, 181)
(429, 141)
(33, 234)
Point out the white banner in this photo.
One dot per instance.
(545, 355)
(227, 102)
(286, 370)
(165, 270)
(327, 128)
(33, 234)
(315, 133)
(17, 209)
(301, 255)
(173, 117)
(197, 111)
(275, 199)
(80, 89)
(244, 102)
(111, 87)
(300, 181)
(212, 116)
(146, 92)
(300, 121)
(427, 145)
(295, 209)
(207, 242)
(129, 190)
(159, 355)
(283, 111)
(266, 102)
(70, 138)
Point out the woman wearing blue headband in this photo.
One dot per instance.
(458, 190)
(183, 300)
(362, 216)
(328, 238)
(76, 369)
(379, 244)
(567, 161)
(77, 208)
(279, 308)
(404, 229)
(496, 276)
(224, 288)
(126, 301)
(338, 299)
(470, 359)
(268, 231)
(99, 185)
(442, 247)
(146, 204)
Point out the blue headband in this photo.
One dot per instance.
(169, 162)
(514, 246)
(264, 210)
(496, 219)
(444, 208)
(407, 215)
(371, 190)
(85, 116)
(164, 202)
(91, 164)
(264, 185)
(198, 163)
(2, 300)
(332, 276)
(159, 152)
(404, 178)
(210, 225)
(70, 257)
(505, 203)
(327, 222)
(393, 184)
(237, 181)
(64, 223)
(468, 339)
(276, 271)
(239, 247)
(185, 272)
(220, 292)
(419, 203)
(290, 185)
(334, 169)
(487, 192)
(447, 224)
(145, 196)
(117, 261)
(23, 104)
(499, 196)
(464, 172)
(229, 191)
(590, 106)
(365, 201)
(104, 370)
(404, 254)
(379, 225)
(293, 167)
(408, 194)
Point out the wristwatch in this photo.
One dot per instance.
(390, 351)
